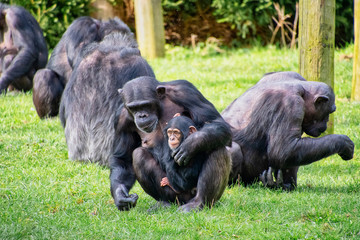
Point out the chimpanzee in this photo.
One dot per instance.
(179, 178)
(149, 105)
(89, 107)
(23, 48)
(268, 121)
(50, 82)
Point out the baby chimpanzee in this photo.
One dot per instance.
(179, 178)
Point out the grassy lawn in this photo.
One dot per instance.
(44, 195)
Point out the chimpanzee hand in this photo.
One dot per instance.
(346, 151)
(123, 200)
(267, 179)
(182, 154)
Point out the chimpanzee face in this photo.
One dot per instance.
(175, 137)
(316, 127)
(316, 117)
(145, 114)
(140, 99)
(178, 129)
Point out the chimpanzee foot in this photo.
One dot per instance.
(267, 178)
(193, 205)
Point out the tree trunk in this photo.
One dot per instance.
(150, 28)
(316, 43)
(355, 92)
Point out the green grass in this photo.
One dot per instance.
(44, 195)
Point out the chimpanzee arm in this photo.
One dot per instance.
(214, 132)
(20, 66)
(308, 150)
(212, 136)
(122, 176)
(23, 38)
(286, 148)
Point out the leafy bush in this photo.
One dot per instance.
(54, 16)
(246, 16)
(192, 21)
(252, 18)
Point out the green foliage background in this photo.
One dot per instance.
(248, 20)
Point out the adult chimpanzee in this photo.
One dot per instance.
(268, 121)
(23, 48)
(149, 105)
(178, 178)
(90, 101)
(50, 82)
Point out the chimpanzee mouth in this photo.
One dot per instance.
(149, 127)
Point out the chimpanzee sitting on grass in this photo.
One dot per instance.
(268, 121)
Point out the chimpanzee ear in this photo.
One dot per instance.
(120, 91)
(192, 129)
(177, 115)
(319, 100)
(161, 90)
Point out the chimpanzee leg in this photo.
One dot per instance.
(212, 182)
(290, 178)
(237, 159)
(149, 174)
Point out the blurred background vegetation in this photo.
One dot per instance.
(233, 23)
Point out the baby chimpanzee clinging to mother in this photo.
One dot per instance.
(179, 178)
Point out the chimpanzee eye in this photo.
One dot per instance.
(177, 134)
(169, 132)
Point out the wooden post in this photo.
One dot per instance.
(150, 28)
(316, 43)
(355, 91)
(103, 10)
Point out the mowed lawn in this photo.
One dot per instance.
(44, 195)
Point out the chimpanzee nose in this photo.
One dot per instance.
(143, 115)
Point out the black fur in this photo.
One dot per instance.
(49, 83)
